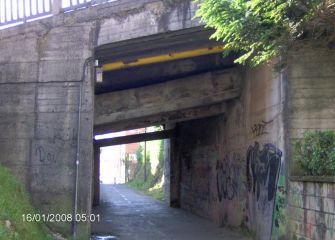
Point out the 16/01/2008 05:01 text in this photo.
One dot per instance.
(60, 217)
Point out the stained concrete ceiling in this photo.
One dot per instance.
(154, 45)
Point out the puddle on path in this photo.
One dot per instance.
(96, 237)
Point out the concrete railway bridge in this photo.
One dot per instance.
(229, 127)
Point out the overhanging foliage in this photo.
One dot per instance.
(262, 29)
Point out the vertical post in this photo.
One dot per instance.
(126, 167)
(24, 10)
(56, 7)
(96, 176)
(5, 11)
(120, 163)
(18, 9)
(145, 158)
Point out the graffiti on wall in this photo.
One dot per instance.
(259, 129)
(301, 208)
(279, 217)
(263, 168)
(45, 156)
(227, 177)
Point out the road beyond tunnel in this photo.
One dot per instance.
(129, 215)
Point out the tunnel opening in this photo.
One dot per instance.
(124, 173)
(122, 158)
(126, 214)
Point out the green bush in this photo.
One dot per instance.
(315, 153)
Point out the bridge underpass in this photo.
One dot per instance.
(159, 80)
(232, 124)
(209, 105)
(127, 214)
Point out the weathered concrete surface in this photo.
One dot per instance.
(167, 98)
(119, 20)
(145, 18)
(163, 118)
(40, 79)
(41, 69)
(311, 100)
(230, 164)
(234, 167)
(311, 91)
(129, 215)
(311, 210)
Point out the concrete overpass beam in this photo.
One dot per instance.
(178, 100)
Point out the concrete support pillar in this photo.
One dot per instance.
(96, 176)
(175, 171)
(167, 170)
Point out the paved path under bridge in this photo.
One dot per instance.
(130, 215)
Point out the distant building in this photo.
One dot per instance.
(113, 168)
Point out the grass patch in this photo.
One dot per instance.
(14, 202)
(155, 191)
(153, 186)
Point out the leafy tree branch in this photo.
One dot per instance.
(263, 29)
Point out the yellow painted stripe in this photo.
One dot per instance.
(162, 58)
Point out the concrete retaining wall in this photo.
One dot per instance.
(311, 210)
(41, 74)
(311, 100)
(311, 92)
